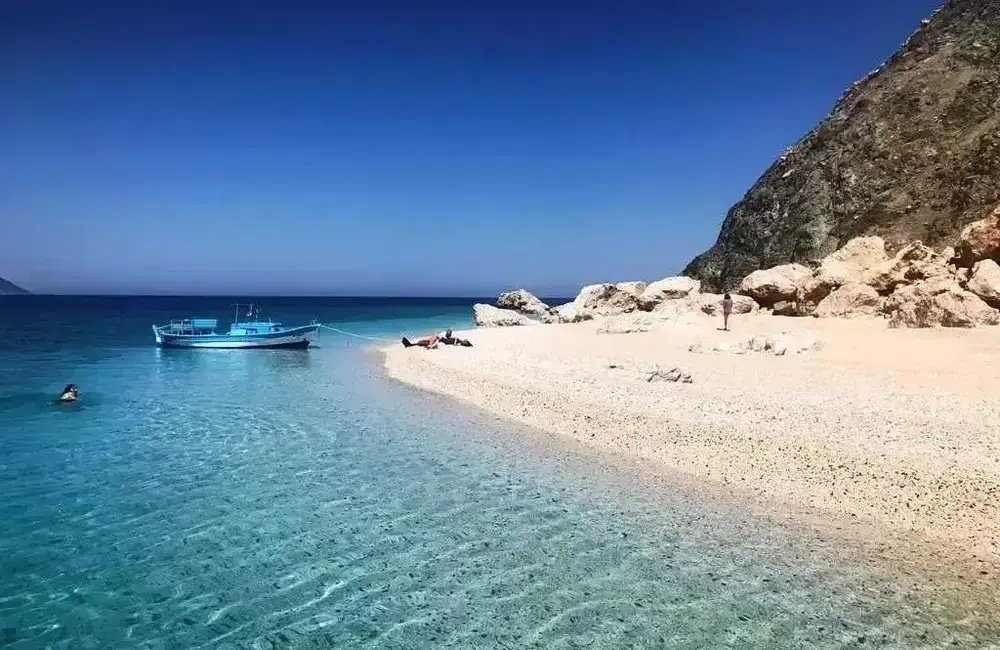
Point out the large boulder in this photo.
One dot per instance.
(685, 311)
(711, 304)
(606, 300)
(523, 301)
(848, 265)
(635, 288)
(816, 287)
(985, 282)
(824, 280)
(769, 286)
(568, 313)
(490, 316)
(855, 258)
(849, 301)
(938, 302)
(671, 288)
(913, 263)
(980, 240)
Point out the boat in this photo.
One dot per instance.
(249, 333)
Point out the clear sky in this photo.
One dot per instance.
(401, 148)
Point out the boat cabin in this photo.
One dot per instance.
(193, 326)
(254, 327)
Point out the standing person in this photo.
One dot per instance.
(727, 309)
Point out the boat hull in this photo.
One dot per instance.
(298, 337)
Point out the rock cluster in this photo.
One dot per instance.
(522, 301)
(915, 287)
(626, 306)
(938, 302)
(490, 316)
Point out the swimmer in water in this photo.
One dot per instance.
(70, 394)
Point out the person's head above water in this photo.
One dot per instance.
(70, 394)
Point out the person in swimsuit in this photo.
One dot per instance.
(431, 341)
(727, 309)
(69, 394)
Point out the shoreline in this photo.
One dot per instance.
(802, 437)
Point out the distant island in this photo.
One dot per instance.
(8, 288)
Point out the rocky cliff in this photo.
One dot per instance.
(909, 152)
(8, 288)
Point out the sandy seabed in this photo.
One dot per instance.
(896, 430)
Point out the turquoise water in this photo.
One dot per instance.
(297, 499)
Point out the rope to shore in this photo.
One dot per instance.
(355, 335)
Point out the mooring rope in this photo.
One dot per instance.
(354, 334)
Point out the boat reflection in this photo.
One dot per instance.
(239, 361)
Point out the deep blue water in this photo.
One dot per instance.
(297, 499)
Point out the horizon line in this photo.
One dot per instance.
(252, 295)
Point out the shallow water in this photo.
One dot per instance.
(296, 499)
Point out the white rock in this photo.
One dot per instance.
(980, 239)
(818, 286)
(938, 302)
(605, 300)
(671, 288)
(768, 286)
(788, 343)
(570, 313)
(778, 346)
(674, 375)
(685, 311)
(985, 282)
(490, 316)
(913, 263)
(634, 288)
(728, 347)
(847, 265)
(523, 301)
(855, 258)
(850, 301)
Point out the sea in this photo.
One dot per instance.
(300, 499)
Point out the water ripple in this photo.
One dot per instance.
(258, 508)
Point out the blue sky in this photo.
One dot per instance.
(400, 148)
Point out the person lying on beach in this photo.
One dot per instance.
(431, 341)
(69, 394)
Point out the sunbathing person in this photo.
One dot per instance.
(431, 341)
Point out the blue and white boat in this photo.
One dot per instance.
(243, 334)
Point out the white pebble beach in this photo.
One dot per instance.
(895, 428)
